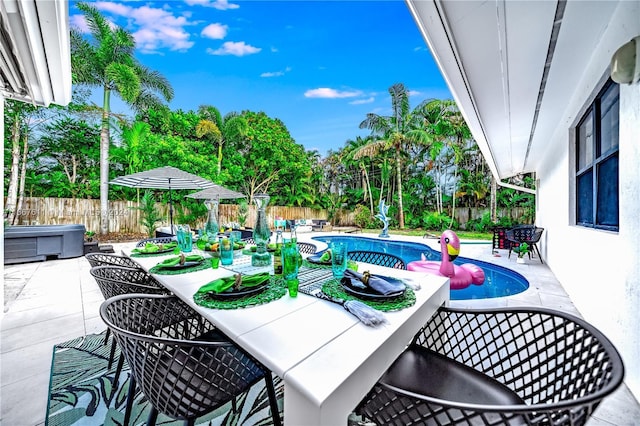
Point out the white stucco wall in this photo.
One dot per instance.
(600, 270)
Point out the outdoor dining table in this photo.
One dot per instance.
(327, 358)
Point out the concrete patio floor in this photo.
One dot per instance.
(54, 301)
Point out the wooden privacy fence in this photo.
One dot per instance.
(124, 217)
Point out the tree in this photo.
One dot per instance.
(73, 145)
(17, 116)
(394, 133)
(108, 62)
(220, 129)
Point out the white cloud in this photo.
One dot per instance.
(218, 4)
(325, 92)
(236, 48)
(275, 73)
(414, 93)
(79, 23)
(362, 101)
(215, 31)
(152, 28)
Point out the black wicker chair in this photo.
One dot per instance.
(377, 258)
(183, 365)
(248, 240)
(102, 259)
(117, 280)
(158, 240)
(524, 234)
(307, 248)
(520, 366)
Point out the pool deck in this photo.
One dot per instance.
(54, 301)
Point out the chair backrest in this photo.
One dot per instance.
(377, 258)
(159, 240)
(307, 248)
(182, 375)
(524, 233)
(117, 280)
(103, 259)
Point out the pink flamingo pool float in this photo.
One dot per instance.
(459, 276)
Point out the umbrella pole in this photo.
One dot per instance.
(170, 208)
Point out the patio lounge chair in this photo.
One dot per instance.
(184, 366)
(524, 234)
(510, 366)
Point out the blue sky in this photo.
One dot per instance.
(319, 66)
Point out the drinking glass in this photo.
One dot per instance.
(187, 240)
(338, 259)
(290, 256)
(226, 250)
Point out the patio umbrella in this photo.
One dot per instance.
(216, 192)
(166, 177)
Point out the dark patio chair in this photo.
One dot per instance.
(510, 366)
(117, 280)
(529, 234)
(183, 365)
(307, 248)
(377, 258)
(102, 259)
(159, 240)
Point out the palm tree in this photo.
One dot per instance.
(395, 132)
(108, 61)
(220, 129)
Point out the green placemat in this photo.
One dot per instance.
(351, 264)
(166, 253)
(274, 291)
(206, 264)
(333, 288)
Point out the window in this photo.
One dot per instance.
(597, 199)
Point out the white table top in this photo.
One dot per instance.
(326, 357)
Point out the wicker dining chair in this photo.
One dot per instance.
(508, 366)
(117, 280)
(158, 240)
(307, 248)
(103, 259)
(183, 365)
(377, 258)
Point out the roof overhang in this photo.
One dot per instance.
(512, 66)
(35, 58)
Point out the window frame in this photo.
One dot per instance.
(593, 111)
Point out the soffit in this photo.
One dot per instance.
(35, 59)
(493, 56)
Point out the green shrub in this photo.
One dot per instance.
(362, 217)
(150, 214)
(436, 221)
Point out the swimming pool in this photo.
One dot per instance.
(499, 281)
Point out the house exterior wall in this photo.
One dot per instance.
(600, 270)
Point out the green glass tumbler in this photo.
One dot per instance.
(290, 257)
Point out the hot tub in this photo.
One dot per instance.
(31, 243)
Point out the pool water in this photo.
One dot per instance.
(499, 281)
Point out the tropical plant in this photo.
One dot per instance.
(149, 211)
(108, 62)
(220, 129)
(395, 132)
(243, 210)
(521, 249)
